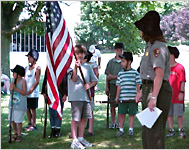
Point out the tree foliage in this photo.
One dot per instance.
(10, 12)
(113, 21)
(175, 26)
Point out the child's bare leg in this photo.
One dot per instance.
(81, 127)
(121, 120)
(74, 125)
(131, 121)
(14, 127)
(19, 128)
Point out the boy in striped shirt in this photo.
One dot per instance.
(128, 86)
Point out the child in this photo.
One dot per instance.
(32, 78)
(55, 121)
(5, 84)
(19, 101)
(128, 82)
(177, 82)
(90, 122)
(77, 95)
(112, 69)
(93, 61)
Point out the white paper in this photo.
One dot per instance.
(148, 118)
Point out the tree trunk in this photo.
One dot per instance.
(5, 50)
(9, 19)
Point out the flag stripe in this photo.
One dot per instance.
(58, 60)
(60, 45)
(48, 48)
(59, 53)
(57, 35)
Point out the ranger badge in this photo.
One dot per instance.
(156, 52)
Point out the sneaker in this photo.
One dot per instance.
(171, 133)
(117, 125)
(182, 133)
(130, 133)
(77, 145)
(85, 143)
(112, 126)
(32, 128)
(119, 133)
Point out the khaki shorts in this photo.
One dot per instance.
(81, 110)
(17, 116)
(176, 110)
(92, 104)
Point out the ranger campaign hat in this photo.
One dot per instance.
(150, 24)
(19, 70)
(119, 45)
(127, 55)
(34, 54)
(174, 51)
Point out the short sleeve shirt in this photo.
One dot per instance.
(177, 75)
(95, 56)
(76, 91)
(113, 68)
(3, 76)
(156, 55)
(128, 80)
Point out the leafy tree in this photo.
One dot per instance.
(10, 12)
(175, 26)
(112, 21)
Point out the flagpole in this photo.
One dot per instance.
(87, 91)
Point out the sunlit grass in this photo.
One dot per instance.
(103, 139)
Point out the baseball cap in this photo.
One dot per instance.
(34, 54)
(127, 56)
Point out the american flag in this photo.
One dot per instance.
(59, 53)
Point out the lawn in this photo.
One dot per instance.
(103, 139)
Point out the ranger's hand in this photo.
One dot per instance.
(151, 104)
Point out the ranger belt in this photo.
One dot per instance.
(145, 81)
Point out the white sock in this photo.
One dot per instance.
(80, 138)
(75, 140)
(179, 129)
(121, 129)
(131, 129)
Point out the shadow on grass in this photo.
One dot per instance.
(103, 138)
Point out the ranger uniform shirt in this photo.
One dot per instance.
(156, 55)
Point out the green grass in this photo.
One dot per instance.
(103, 139)
(101, 85)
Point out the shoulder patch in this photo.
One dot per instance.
(156, 52)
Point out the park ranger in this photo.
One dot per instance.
(154, 71)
